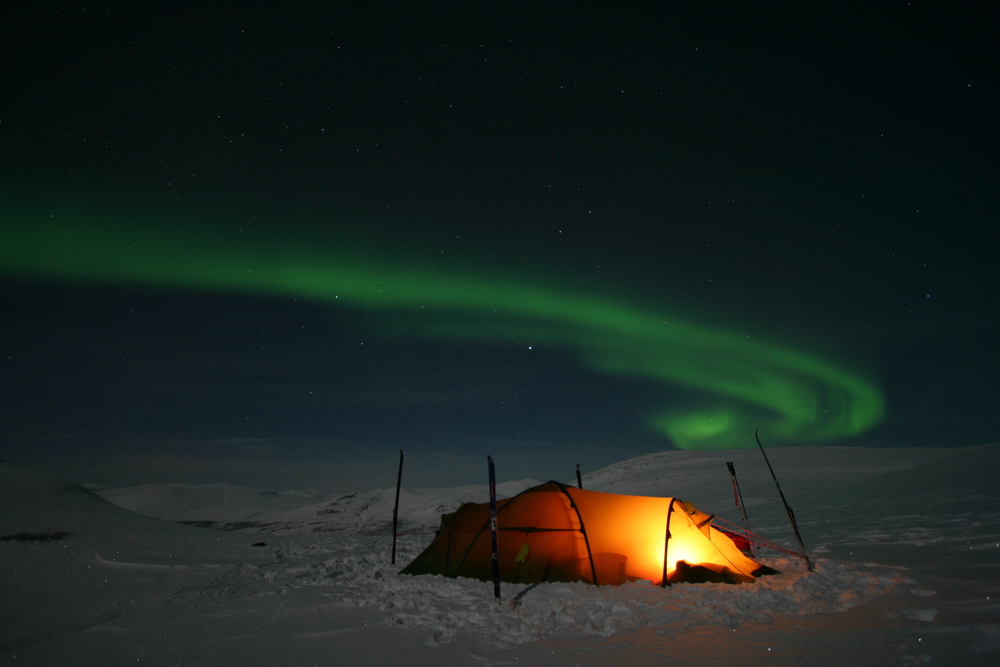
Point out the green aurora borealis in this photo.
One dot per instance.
(736, 382)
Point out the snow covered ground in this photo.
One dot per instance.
(907, 543)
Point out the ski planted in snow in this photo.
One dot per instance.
(579, 480)
(493, 529)
(395, 509)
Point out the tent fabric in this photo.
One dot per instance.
(555, 532)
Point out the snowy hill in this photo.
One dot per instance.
(229, 507)
(906, 541)
(701, 477)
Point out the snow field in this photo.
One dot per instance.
(359, 574)
(907, 545)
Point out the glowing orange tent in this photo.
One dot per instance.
(554, 532)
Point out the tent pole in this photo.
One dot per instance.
(583, 531)
(791, 514)
(666, 543)
(579, 480)
(493, 529)
(395, 509)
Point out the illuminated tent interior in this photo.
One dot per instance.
(554, 532)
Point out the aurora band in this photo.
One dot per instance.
(795, 397)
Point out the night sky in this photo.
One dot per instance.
(274, 244)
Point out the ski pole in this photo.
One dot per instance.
(738, 497)
(791, 514)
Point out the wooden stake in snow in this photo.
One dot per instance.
(395, 509)
(493, 529)
(791, 514)
(579, 480)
